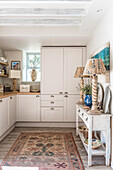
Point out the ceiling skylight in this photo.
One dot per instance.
(68, 12)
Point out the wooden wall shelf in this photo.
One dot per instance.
(3, 63)
(3, 75)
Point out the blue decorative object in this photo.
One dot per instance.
(4, 68)
(88, 100)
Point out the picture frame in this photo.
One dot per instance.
(15, 65)
(104, 53)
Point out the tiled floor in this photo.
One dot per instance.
(10, 139)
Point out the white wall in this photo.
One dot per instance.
(103, 34)
(15, 56)
(12, 56)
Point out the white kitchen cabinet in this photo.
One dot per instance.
(58, 68)
(28, 108)
(52, 108)
(73, 58)
(70, 102)
(12, 110)
(52, 114)
(52, 70)
(4, 118)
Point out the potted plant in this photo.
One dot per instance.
(87, 89)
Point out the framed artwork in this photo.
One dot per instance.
(104, 53)
(15, 65)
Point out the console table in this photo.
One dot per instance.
(94, 123)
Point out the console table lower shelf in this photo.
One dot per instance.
(94, 123)
(99, 151)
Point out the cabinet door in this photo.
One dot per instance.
(4, 120)
(52, 114)
(52, 70)
(70, 107)
(27, 108)
(73, 58)
(38, 108)
(12, 110)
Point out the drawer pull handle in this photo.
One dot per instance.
(60, 92)
(52, 108)
(37, 96)
(66, 92)
(0, 100)
(87, 119)
(82, 114)
(65, 96)
(52, 102)
(52, 95)
(10, 97)
(79, 110)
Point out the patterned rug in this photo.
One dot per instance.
(48, 151)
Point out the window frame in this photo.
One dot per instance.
(28, 67)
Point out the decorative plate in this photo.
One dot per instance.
(107, 100)
(100, 95)
(34, 91)
(95, 143)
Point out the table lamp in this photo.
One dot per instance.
(15, 74)
(79, 74)
(93, 68)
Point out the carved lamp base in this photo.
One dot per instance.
(14, 85)
(94, 96)
(81, 91)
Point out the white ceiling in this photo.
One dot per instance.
(26, 25)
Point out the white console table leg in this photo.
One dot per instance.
(76, 121)
(90, 142)
(108, 144)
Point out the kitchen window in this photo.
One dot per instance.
(31, 60)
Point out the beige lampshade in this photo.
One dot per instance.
(15, 74)
(79, 72)
(94, 67)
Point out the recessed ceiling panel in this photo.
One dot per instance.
(52, 14)
(40, 11)
(40, 22)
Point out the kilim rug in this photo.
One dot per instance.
(47, 151)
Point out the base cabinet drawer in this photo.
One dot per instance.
(52, 114)
(52, 103)
(52, 97)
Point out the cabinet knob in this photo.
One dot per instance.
(79, 110)
(60, 92)
(52, 108)
(65, 96)
(10, 97)
(37, 96)
(0, 100)
(52, 95)
(66, 92)
(82, 114)
(87, 119)
(52, 102)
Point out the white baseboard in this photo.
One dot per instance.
(45, 124)
(7, 132)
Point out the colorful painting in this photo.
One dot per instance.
(104, 54)
(15, 65)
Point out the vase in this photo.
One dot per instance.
(88, 100)
(33, 74)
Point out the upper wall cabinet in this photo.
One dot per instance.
(73, 58)
(52, 71)
(58, 69)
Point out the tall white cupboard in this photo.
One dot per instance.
(58, 68)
